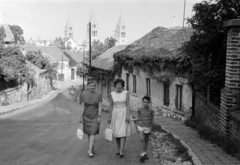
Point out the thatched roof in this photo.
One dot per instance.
(105, 61)
(161, 42)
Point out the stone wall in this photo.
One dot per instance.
(13, 95)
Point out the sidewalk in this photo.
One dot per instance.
(204, 152)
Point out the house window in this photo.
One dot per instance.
(70, 28)
(134, 84)
(148, 86)
(166, 93)
(94, 33)
(123, 27)
(123, 41)
(94, 26)
(61, 66)
(127, 81)
(178, 97)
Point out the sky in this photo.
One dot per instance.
(46, 19)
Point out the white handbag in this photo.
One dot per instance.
(79, 133)
(108, 133)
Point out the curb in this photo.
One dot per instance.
(195, 158)
(33, 102)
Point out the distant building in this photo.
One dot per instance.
(57, 55)
(68, 30)
(120, 33)
(75, 59)
(94, 30)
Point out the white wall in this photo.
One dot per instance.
(157, 92)
(65, 71)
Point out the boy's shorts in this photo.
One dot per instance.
(144, 129)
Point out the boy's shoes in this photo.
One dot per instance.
(142, 158)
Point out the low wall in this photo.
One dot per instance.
(207, 112)
(13, 95)
(234, 127)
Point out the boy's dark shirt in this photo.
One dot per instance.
(145, 117)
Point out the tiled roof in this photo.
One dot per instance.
(75, 57)
(53, 51)
(160, 41)
(50, 58)
(105, 61)
(9, 35)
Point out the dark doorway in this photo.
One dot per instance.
(72, 74)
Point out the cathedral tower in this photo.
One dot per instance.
(120, 33)
(68, 30)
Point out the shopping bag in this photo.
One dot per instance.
(108, 133)
(79, 133)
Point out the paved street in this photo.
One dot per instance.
(45, 134)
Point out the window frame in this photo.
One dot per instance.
(148, 86)
(127, 81)
(178, 102)
(166, 92)
(134, 84)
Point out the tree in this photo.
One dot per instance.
(36, 58)
(17, 33)
(13, 64)
(206, 51)
(110, 42)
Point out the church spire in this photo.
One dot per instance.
(120, 33)
(94, 27)
(68, 31)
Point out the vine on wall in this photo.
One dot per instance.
(152, 66)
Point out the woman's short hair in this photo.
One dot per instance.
(119, 80)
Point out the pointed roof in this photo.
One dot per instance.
(93, 18)
(121, 21)
(69, 23)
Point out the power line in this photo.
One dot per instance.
(166, 9)
(137, 23)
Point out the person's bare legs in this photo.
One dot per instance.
(141, 141)
(122, 144)
(146, 138)
(91, 143)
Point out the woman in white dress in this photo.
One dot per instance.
(120, 115)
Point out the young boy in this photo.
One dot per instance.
(144, 125)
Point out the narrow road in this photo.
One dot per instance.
(46, 135)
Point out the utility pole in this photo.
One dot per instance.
(83, 64)
(184, 12)
(62, 69)
(90, 51)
